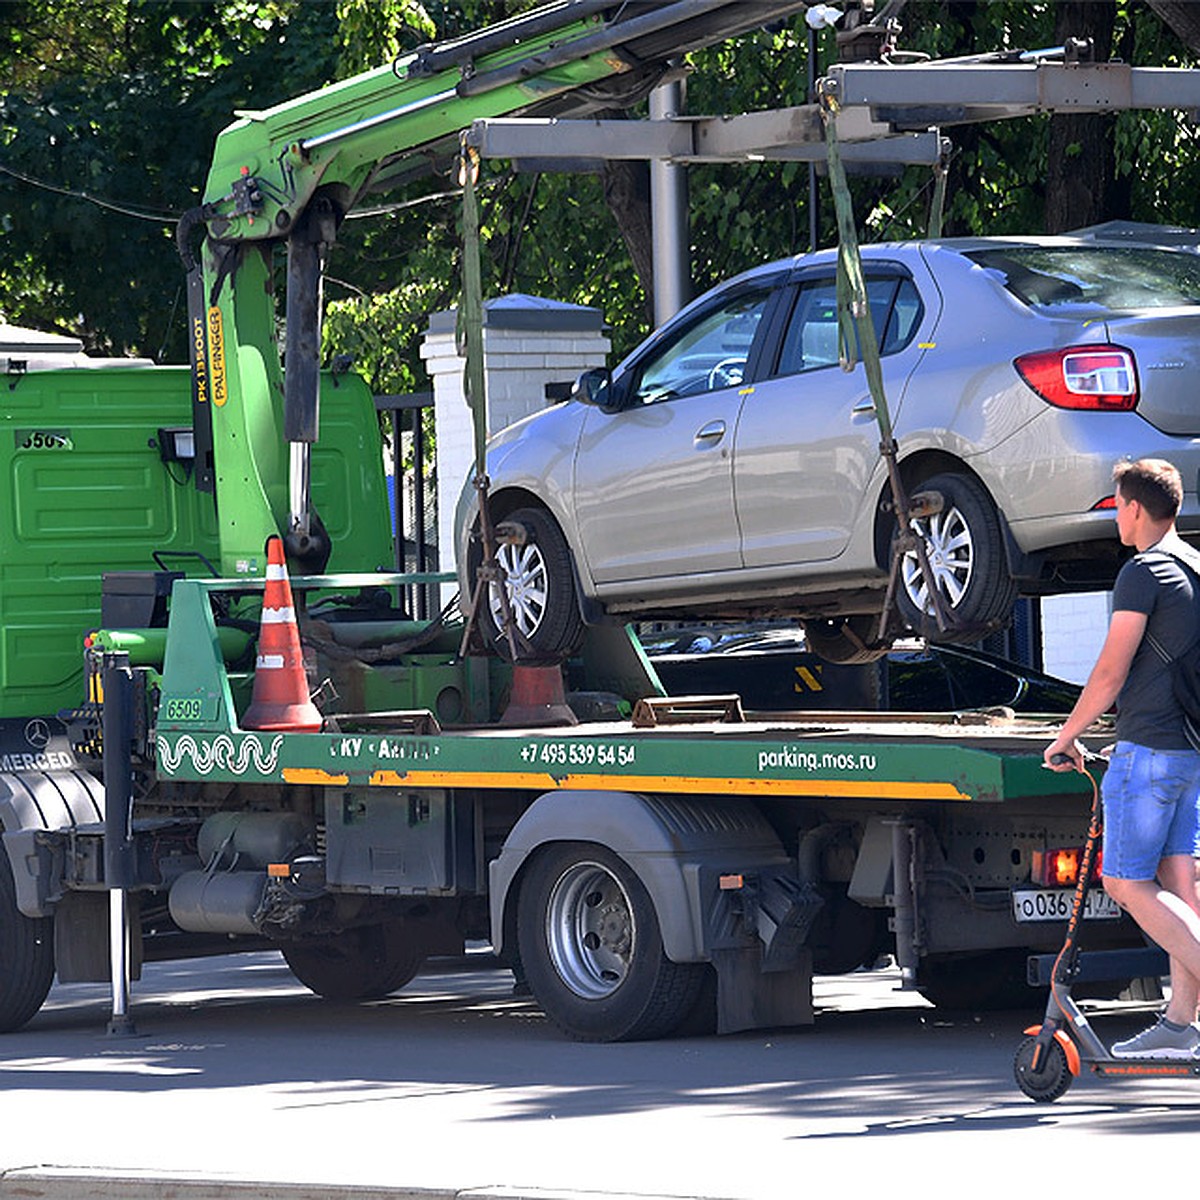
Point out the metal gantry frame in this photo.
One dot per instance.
(865, 113)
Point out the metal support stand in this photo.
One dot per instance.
(120, 1024)
(119, 870)
(904, 903)
(669, 215)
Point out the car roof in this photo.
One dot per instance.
(959, 245)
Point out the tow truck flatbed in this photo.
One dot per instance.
(955, 757)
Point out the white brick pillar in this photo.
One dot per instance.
(527, 343)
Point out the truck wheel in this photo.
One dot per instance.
(26, 956)
(360, 964)
(965, 547)
(989, 982)
(592, 949)
(540, 584)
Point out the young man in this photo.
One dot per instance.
(1152, 784)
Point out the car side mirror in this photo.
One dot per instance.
(596, 387)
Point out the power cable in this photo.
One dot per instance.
(159, 217)
(164, 216)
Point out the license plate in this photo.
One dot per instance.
(1040, 904)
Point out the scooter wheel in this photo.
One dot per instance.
(1052, 1077)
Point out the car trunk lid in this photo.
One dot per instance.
(1166, 348)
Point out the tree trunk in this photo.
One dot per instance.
(627, 193)
(1183, 16)
(1079, 156)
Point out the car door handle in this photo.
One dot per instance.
(864, 408)
(711, 433)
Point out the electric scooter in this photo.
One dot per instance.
(1054, 1053)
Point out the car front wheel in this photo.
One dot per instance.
(847, 641)
(965, 548)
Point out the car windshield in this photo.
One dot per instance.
(1105, 277)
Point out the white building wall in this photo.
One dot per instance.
(519, 360)
(1073, 630)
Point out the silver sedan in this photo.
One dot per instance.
(730, 467)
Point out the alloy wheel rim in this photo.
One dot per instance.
(950, 549)
(525, 581)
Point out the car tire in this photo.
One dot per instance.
(541, 592)
(965, 545)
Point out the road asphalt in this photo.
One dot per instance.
(239, 1085)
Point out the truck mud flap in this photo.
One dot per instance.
(36, 802)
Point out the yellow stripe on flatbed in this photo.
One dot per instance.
(875, 789)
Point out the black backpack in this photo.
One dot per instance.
(1185, 666)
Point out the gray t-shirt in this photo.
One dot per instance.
(1154, 583)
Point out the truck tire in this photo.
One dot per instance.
(26, 956)
(541, 591)
(965, 546)
(360, 964)
(988, 982)
(592, 949)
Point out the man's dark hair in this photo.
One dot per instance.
(1154, 483)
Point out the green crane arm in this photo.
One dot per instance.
(288, 176)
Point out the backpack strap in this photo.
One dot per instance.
(1158, 649)
(1191, 564)
(1190, 560)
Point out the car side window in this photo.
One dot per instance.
(811, 339)
(708, 353)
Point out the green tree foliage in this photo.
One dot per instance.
(112, 107)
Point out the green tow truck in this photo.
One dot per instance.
(690, 866)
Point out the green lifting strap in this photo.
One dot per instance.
(937, 205)
(468, 336)
(857, 336)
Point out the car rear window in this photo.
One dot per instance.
(1104, 277)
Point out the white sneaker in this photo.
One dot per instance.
(1160, 1041)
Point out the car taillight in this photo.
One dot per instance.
(1059, 867)
(1098, 378)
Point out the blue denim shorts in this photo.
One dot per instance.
(1151, 812)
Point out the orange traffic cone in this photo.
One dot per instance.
(280, 700)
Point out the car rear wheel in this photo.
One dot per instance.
(539, 582)
(965, 548)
